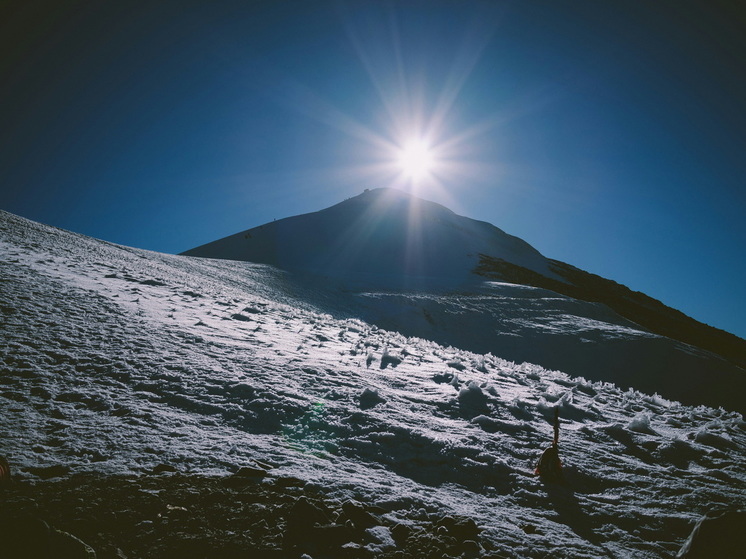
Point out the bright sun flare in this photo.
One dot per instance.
(416, 159)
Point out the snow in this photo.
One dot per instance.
(116, 360)
(359, 242)
(408, 265)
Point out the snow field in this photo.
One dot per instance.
(116, 360)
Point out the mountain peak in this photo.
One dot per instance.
(387, 191)
(382, 236)
(388, 199)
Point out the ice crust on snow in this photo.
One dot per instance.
(116, 360)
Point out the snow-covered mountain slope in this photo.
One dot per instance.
(115, 360)
(420, 269)
(383, 237)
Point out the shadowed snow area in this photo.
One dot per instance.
(116, 360)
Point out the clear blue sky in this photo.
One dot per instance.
(609, 135)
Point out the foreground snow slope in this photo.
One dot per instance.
(115, 360)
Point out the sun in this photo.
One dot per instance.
(416, 159)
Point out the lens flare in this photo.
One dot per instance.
(418, 138)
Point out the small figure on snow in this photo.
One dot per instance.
(549, 467)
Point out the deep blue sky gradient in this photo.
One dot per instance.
(612, 134)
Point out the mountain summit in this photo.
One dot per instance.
(380, 237)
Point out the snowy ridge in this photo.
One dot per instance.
(382, 237)
(116, 359)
